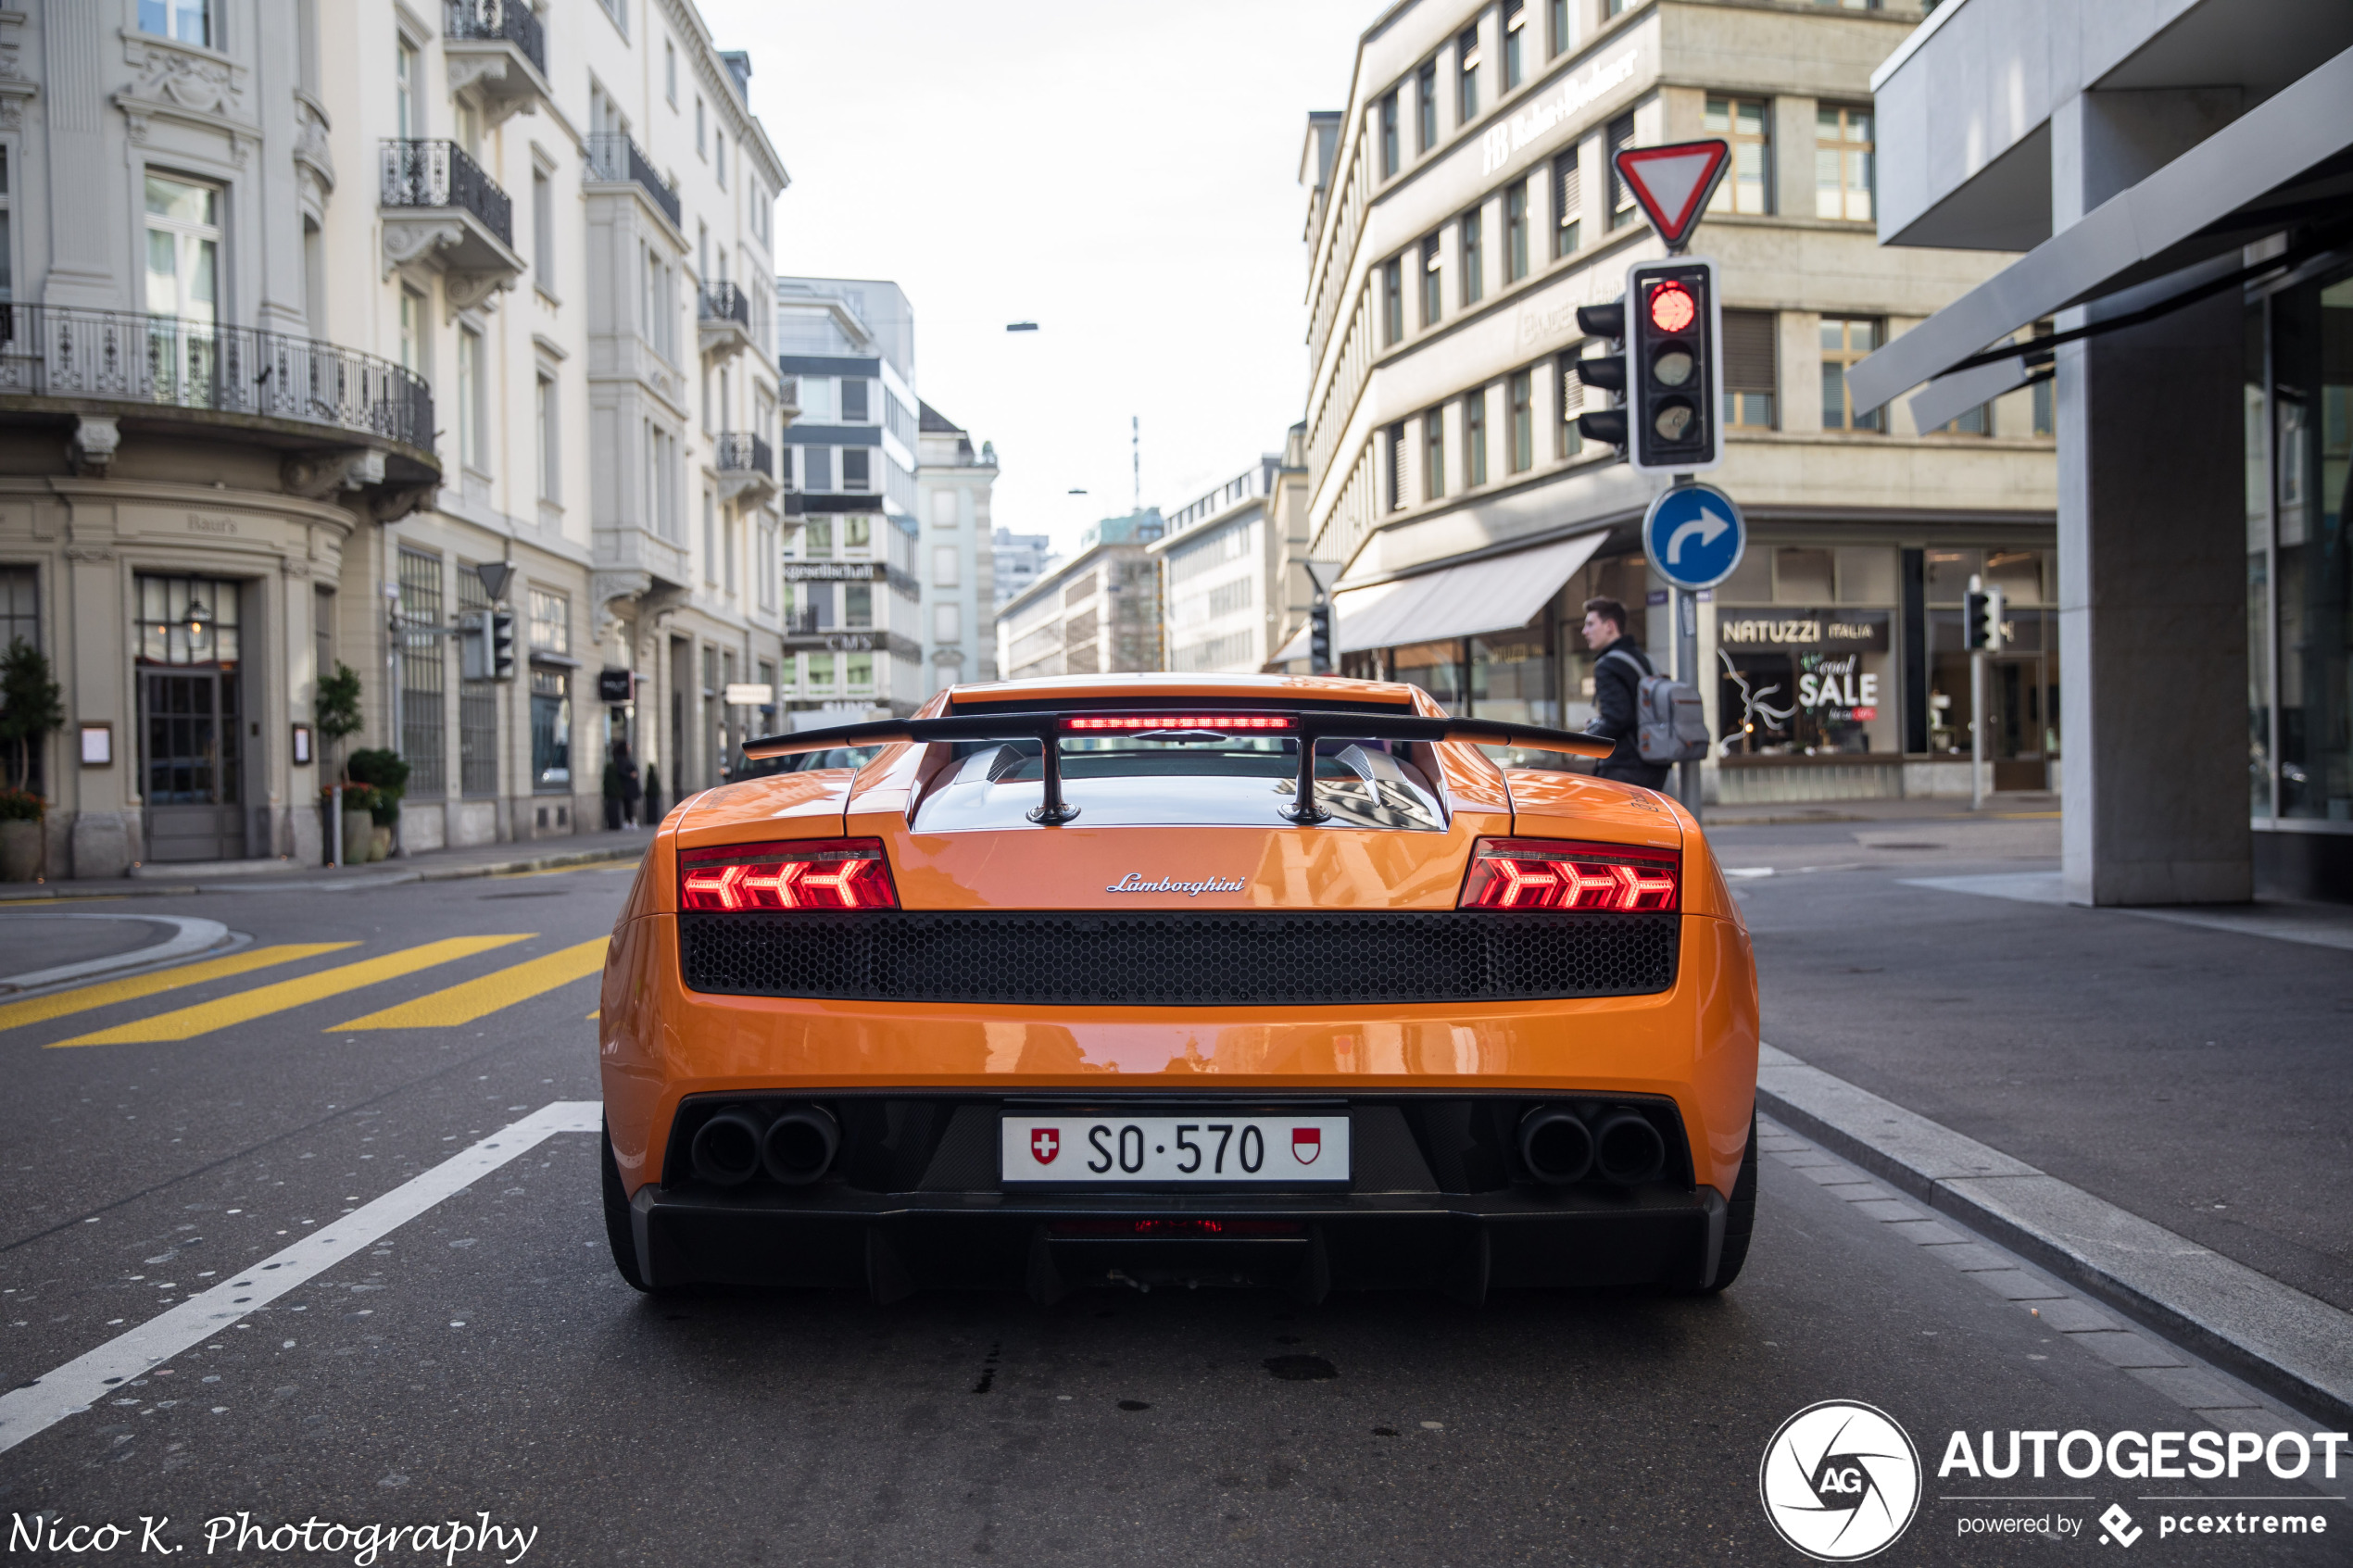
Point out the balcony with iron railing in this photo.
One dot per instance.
(614, 160)
(747, 466)
(722, 320)
(441, 211)
(500, 49)
(294, 393)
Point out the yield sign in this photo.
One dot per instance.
(1673, 182)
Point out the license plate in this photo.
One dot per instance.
(1203, 1149)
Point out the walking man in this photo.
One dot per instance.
(1618, 670)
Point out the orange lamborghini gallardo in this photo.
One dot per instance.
(1174, 979)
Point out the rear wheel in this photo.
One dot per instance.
(619, 1231)
(1739, 1219)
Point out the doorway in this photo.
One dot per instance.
(191, 718)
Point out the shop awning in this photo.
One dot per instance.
(2243, 182)
(1497, 594)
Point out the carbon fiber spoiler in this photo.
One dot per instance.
(1306, 726)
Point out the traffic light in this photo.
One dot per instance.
(1670, 365)
(1982, 618)
(1319, 637)
(1604, 372)
(502, 645)
(473, 645)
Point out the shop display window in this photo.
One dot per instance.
(1436, 667)
(2313, 572)
(1805, 681)
(1511, 677)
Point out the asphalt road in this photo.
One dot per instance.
(485, 1358)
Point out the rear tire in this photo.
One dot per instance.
(1739, 1220)
(619, 1229)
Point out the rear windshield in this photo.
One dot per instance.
(1228, 780)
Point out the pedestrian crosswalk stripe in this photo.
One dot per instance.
(474, 999)
(247, 1006)
(61, 1004)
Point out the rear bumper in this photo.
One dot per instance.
(892, 1245)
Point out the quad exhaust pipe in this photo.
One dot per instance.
(795, 1147)
(1560, 1147)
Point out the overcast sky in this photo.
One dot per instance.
(1122, 173)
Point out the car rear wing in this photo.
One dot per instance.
(1304, 725)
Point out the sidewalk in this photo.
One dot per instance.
(1927, 808)
(440, 865)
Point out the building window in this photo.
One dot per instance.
(1394, 439)
(183, 261)
(547, 429)
(857, 532)
(1569, 205)
(719, 158)
(7, 269)
(856, 470)
(550, 623)
(1515, 31)
(1474, 258)
(1433, 454)
(189, 21)
(1466, 76)
(412, 331)
(1393, 301)
(1614, 8)
(1523, 401)
(946, 623)
(729, 549)
(543, 231)
(550, 731)
(2045, 404)
(407, 123)
(1749, 361)
(767, 565)
(1426, 106)
(1433, 301)
(21, 622)
(1558, 16)
(817, 463)
(619, 11)
(670, 71)
(858, 605)
(473, 413)
(1842, 174)
(1845, 340)
(1389, 134)
(1621, 196)
(423, 673)
(1746, 123)
(854, 401)
(710, 539)
(1475, 438)
(701, 149)
(1570, 439)
(477, 709)
(1977, 421)
(947, 566)
(1516, 232)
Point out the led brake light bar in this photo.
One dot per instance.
(810, 874)
(1226, 722)
(1544, 873)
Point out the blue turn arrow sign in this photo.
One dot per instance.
(1693, 535)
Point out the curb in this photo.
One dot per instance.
(190, 938)
(2291, 1346)
(342, 881)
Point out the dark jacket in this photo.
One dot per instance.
(1618, 682)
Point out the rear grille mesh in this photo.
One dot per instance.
(1255, 959)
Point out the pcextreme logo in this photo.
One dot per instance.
(1840, 1481)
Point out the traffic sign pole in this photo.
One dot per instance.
(1687, 786)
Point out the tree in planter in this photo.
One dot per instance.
(386, 776)
(338, 708)
(29, 707)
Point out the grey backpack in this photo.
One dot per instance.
(1672, 726)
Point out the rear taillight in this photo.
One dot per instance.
(815, 874)
(1545, 873)
(1229, 722)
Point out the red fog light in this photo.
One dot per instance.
(815, 874)
(1544, 873)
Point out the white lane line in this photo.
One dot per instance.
(75, 1387)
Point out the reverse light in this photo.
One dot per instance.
(1228, 722)
(814, 874)
(1543, 873)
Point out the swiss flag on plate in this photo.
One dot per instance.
(1044, 1143)
(1306, 1143)
(1673, 182)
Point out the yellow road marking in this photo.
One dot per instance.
(477, 998)
(107, 993)
(247, 1006)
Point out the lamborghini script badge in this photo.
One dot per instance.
(1134, 883)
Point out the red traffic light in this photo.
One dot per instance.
(1672, 309)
